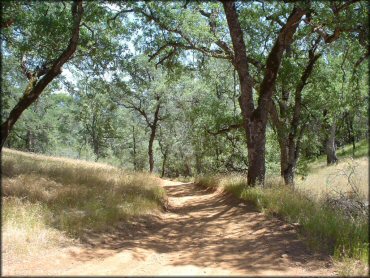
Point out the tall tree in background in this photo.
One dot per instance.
(288, 126)
(96, 113)
(144, 93)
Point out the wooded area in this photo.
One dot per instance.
(186, 88)
(185, 137)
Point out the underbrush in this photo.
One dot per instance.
(25, 229)
(47, 200)
(323, 227)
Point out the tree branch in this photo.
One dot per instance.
(7, 23)
(276, 19)
(138, 108)
(225, 129)
(361, 59)
(283, 41)
(37, 86)
(118, 14)
(336, 10)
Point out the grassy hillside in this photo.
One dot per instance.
(344, 152)
(347, 176)
(49, 201)
(350, 174)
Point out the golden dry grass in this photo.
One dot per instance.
(323, 227)
(25, 229)
(347, 175)
(49, 201)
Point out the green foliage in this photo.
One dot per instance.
(133, 56)
(82, 114)
(361, 150)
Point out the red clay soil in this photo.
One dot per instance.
(202, 233)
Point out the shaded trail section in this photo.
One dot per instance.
(202, 233)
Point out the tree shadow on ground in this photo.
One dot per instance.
(212, 229)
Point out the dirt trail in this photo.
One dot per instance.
(203, 233)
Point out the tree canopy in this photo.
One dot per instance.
(186, 88)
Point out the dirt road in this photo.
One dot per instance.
(203, 233)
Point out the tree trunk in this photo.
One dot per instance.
(150, 148)
(330, 148)
(164, 150)
(187, 167)
(96, 149)
(153, 129)
(286, 167)
(95, 138)
(8, 143)
(39, 80)
(350, 131)
(255, 119)
(198, 162)
(288, 174)
(256, 142)
(30, 141)
(164, 163)
(289, 141)
(134, 147)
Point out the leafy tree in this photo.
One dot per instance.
(39, 63)
(205, 34)
(95, 113)
(144, 93)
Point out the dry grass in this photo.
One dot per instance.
(25, 229)
(341, 178)
(323, 228)
(49, 201)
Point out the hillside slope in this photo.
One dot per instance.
(50, 202)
